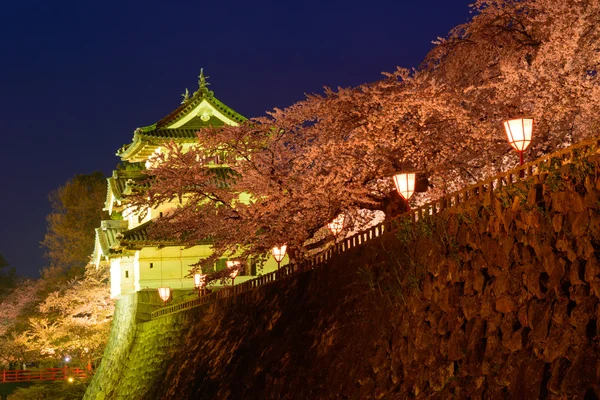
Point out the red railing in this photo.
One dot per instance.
(481, 191)
(49, 374)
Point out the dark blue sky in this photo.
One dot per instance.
(78, 77)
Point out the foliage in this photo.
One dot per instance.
(17, 305)
(67, 310)
(8, 276)
(55, 390)
(76, 211)
(74, 320)
(335, 153)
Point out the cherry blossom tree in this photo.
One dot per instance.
(537, 58)
(16, 306)
(336, 152)
(74, 319)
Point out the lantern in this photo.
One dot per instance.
(279, 254)
(164, 293)
(200, 282)
(337, 224)
(234, 266)
(405, 184)
(519, 132)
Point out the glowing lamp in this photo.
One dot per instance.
(199, 280)
(405, 184)
(164, 293)
(279, 253)
(519, 132)
(337, 224)
(234, 266)
(71, 380)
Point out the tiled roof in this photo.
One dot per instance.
(185, 108)
(143, 137)
(137, 234)
(179, 133)
(137, 186)
(120, 183)
(140, 236)
(106, 236)
(147, 139)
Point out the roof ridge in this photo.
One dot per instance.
(203, 93)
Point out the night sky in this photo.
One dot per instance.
(78, 77)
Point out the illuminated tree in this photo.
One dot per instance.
(73, 320)
(336, 153)
(68, 310)
(16, 306)
(76, 211)
(538, 58)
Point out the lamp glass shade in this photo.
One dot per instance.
(164, 293)
(199, 280)
(234, 266)
(519, 132)
(279, 253)
(337, 224)
(405, 184)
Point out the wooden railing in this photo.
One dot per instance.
(49, 374)
(495, 183)
(470, 193)
(262, 280)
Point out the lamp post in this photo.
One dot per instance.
(234, 266)
(519, 132)
(337, 225)
(405, 185)
(200, 283)
(279, 254)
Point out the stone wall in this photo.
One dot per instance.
(493, 299)
(137, 351)
(116, 353)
